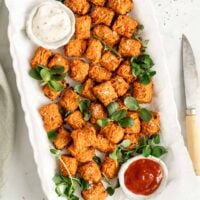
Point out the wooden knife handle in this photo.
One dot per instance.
(193, 141)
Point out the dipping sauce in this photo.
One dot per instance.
(143, 176)
(51, 23)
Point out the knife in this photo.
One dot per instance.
(191, 82)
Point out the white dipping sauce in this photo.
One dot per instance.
(51, 23)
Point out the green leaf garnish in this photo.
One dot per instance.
(55, 85)
(146, 151)
(52, 135)
(110, 191)
(141, 68)
(45, 74)
(131, 103)
(156, 139)
(158, 151)
(54, 151)
(97, 160)
(35, 74)
(118, 115)
(126, 122)
(145, 114)
(125, 143)
(84, 184)
(57, 69)
(78, 88)
(112, 107)
(84, 108)
(103, 122)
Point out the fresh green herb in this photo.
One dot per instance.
(84, 108)
(50, 76)
(110, 191)
(78, 88)
(140, 27)
(97, 160)
(112, 107)
(115, 115)
(54, 151)
(132, 104)
(146, 152)
(52, 135)
(117, 154)
(142, 68)
(145, 114)
(103, 122)
(107, 46)
(84, 184)
(156, 139)
(158, 151)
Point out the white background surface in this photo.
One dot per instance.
(175, 17)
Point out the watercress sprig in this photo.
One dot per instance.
(133, 105)
(116, 115)
(142, 68)
(111, 189)
(147, 146)
(107, 46)
(49, 76)
(66, 186)
(84, 108)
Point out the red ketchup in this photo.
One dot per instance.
(143, 176)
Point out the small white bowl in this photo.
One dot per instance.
(130, 194)
(50, 45)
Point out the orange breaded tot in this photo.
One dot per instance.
(75, 120)
(63, 138)
(121, 6)
(106, 34)
(80, 7)
(142, 93)
(104, 145)
(90, 172)
(70, 100)
(94, 50)
(95, 192)
(75, 48)
(125, 26)
(59, 60)
(124, 71)
(110, 168)
(113, 132)
(134, 139)
(66, 164)
(51, 116)
(87, 89)
(105, 92)
(82, 155)
(136, 126)
(50, 93)
(98, 2)
(79, 70)
(153, 126)
(97, 111)
(84, 137)
(98, 73)
(120, 85)
(82, 27)
(130, 47)
(41, 57)
(102, 15)
(110, 61)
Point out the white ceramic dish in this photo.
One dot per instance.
(22, 49)
(133, 196)
(59, 43)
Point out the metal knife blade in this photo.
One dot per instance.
(191, 79)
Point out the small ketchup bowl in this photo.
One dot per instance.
(143, 177)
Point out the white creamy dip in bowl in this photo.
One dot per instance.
(50, 24)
